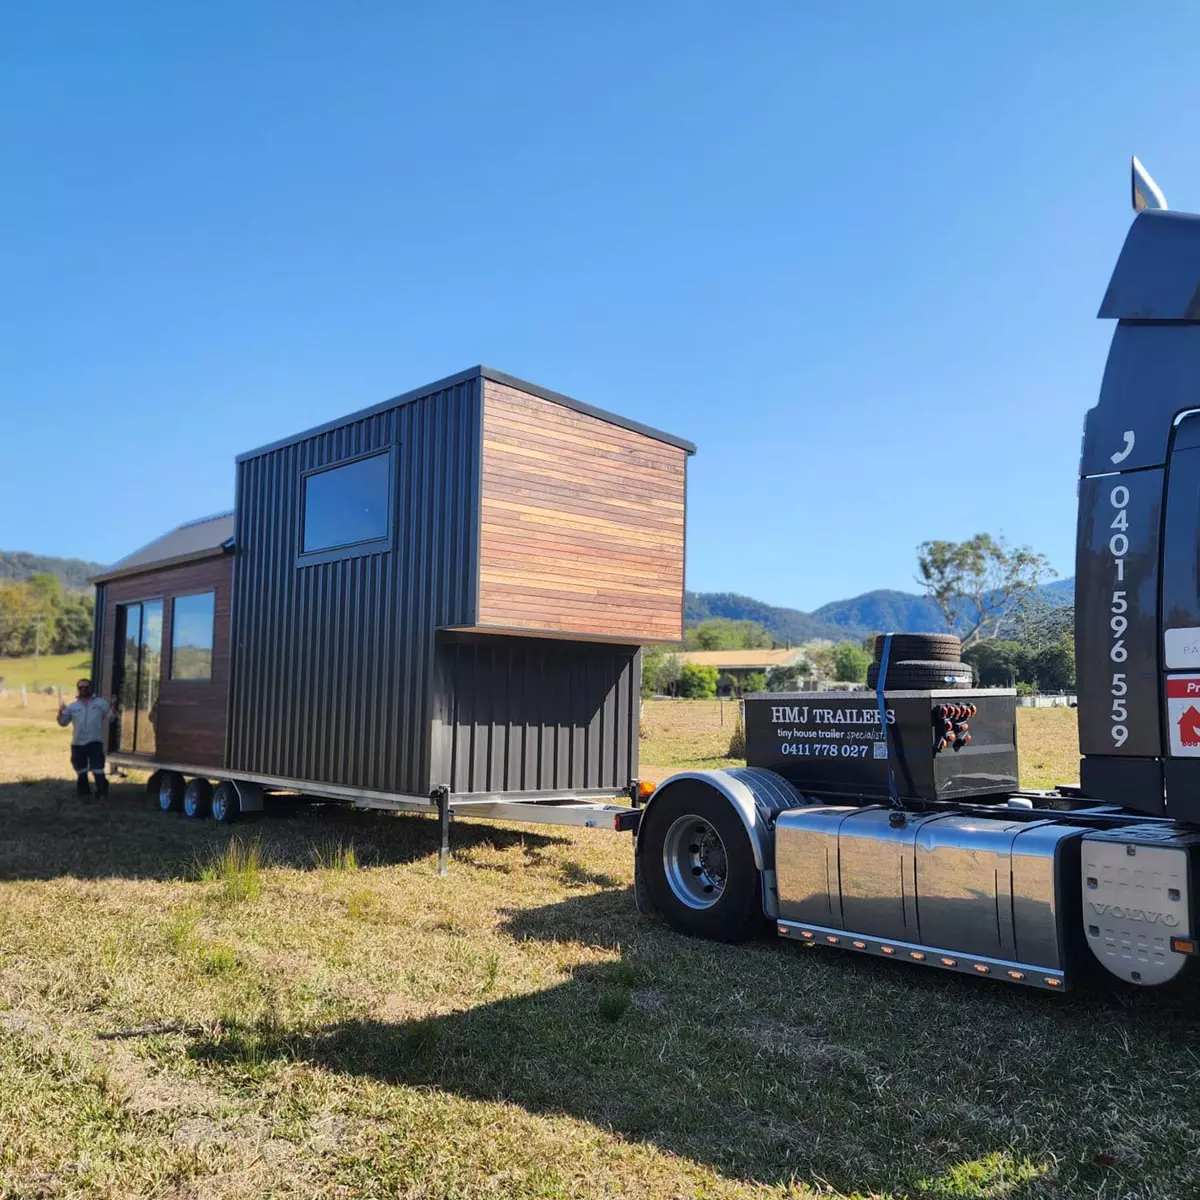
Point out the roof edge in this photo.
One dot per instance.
(477, 372)
(149, 568)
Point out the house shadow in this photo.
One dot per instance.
(47, 833)
(772, 1063)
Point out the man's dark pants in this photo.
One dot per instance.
(89, 757)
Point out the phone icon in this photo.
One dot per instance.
(1122, 455)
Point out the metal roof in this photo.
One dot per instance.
(192, 540)
(476, 373)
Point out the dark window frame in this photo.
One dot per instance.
(379, 545)
(212, 649)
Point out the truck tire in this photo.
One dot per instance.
(170, 791)
(697, 864)
(910, 675)
(926, 647)
(197, 797)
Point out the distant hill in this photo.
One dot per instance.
(883, 610)
(72, 573)
(872, 612)
(788, 625)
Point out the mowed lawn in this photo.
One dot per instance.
(46, 670)
(340, 1021)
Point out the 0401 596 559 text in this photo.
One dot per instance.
(1118, 548)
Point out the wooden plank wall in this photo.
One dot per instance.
(582, 523)
(190, 724)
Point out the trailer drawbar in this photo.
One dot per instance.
(890, 822)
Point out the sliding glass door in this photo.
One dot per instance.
(138, 672)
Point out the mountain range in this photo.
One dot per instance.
(872, 612)
(73, 573)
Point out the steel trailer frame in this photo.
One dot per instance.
(593, 809)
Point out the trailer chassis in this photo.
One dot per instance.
(594, 808)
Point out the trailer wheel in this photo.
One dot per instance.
(698, 865)
(197, 797)
(170, 791)
(226, 804)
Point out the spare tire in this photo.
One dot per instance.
(922, 675)
(922, 647)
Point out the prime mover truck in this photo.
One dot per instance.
(890, 822)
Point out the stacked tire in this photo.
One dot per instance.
(921, 662)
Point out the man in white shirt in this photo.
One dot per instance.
(89, 718)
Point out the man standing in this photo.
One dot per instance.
(90, 718)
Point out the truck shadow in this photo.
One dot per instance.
(778, 1064)
(46, 833)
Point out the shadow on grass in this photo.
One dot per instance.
(47, 833)
(778, 1064)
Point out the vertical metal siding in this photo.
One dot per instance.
(531, 714)
(332, 673)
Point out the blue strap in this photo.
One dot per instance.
(879, 686)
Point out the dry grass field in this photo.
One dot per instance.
(304, 1008)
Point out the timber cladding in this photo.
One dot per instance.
(190, 720)
(581, 525)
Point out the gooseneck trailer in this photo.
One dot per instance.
(891, 824)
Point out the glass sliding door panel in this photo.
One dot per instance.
(129, 636)
(149, 675)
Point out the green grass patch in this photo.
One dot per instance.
(237, 867)
(48, 670)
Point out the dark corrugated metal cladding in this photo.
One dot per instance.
(333, 661)
(98, 676)
(535, 714)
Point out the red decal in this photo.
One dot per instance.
(1183, 687)
(1189, 727)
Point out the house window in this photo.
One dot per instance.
(192, 619)
(347, 505)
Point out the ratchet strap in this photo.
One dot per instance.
(885, 654)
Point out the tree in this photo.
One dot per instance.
(697, 683)
(756, 681)
(850, 663)
(660, 671)
(788, 679)
(720, 633)
(976, 582)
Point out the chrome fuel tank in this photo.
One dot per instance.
(996, 890)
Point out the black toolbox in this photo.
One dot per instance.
(940, 745)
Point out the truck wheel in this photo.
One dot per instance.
(197, 797)
(922, 675)
(698, 865)
(170, 791)
(931, 647)
(226, 804)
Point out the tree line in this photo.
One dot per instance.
(38, 616)
(987, 592)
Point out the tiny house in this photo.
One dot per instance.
(447, 592)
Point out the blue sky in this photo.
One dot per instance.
(853, 252)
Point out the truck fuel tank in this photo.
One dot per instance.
(985, 895)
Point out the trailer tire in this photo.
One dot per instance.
(927, 647)
(922, 675)
(698, 865)
(226, 804)
(197, 797)
(170, 791)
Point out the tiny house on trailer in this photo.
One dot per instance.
(437, 603)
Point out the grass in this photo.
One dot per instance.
(516, 1029)
(50, 670)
